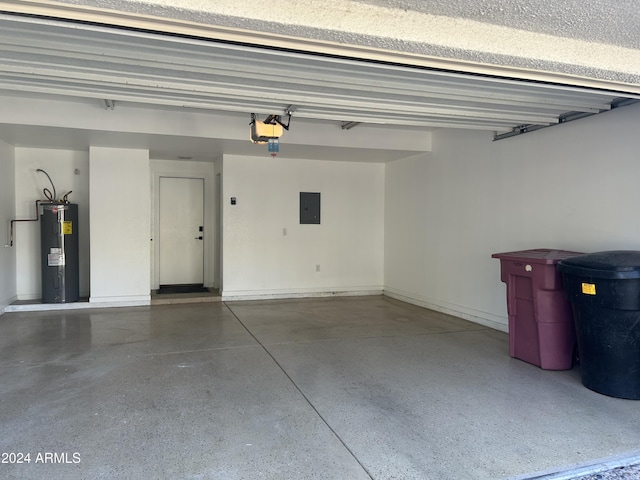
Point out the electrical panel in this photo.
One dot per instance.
(309, 208)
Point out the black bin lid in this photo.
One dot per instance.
(614, 264)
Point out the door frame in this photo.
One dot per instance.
(183, 169)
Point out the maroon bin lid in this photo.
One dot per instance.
(545, 256)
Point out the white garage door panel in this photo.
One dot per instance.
(91, 61)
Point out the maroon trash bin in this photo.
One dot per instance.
(541, 329)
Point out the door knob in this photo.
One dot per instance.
(199, 238)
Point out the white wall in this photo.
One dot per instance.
(571, 187)
(260, 261)
(219, 238)
(185, 169)
(194, 125)
(120, 225)
(8, 291)
(69, 171)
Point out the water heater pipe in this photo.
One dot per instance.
(28, 220)
(46, 191)
(51, 197)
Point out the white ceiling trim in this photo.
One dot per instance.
(90, 61)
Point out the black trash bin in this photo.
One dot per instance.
(604, 291)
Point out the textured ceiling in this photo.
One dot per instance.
(614, 22)
(596, 38)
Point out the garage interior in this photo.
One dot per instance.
(430, 150)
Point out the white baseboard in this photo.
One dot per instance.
(231, 296)
(4, 304)
(123, 301)
(46, 307)
(81, 305)
(38, 296)
(483, 318)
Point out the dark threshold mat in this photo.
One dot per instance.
(164, 289)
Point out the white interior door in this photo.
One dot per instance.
(181, 236)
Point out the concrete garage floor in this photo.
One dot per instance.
(340, 388)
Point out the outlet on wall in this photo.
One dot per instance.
(317, 268)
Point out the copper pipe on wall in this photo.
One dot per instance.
(29, 220)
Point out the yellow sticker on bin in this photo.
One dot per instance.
(588, 288)
(67, 227)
